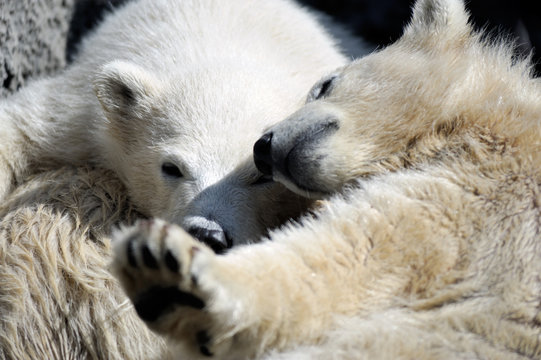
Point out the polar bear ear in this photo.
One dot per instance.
(444, 19)
(124, 90)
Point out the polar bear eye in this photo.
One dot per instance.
(171, 170)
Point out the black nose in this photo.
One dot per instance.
(217, 240)
(262, 154)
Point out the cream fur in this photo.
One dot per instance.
(57, 299)
(431, 250)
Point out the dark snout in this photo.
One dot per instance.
(212, 235)
(290, 151)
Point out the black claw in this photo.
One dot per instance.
(131, 253)
(149, 259)
(156, 301)
(203, 339)
(205, 351)
(171, 262)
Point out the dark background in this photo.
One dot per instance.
(378, 22)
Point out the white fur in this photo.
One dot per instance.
(206, 77)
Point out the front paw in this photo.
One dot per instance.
(162, 269)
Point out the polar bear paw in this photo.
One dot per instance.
(169, 276)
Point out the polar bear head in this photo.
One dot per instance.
(396, 107)
(182, 145)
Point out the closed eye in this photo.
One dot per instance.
(321, 90)
(263, 179)
(324, 88)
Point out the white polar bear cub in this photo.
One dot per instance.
(183, 90)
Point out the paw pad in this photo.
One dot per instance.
(163, 270)
(158, 301)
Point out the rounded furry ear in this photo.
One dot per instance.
(447, 19)
(124, 90)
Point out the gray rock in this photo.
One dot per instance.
(33, 35)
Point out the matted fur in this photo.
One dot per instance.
(57, 298)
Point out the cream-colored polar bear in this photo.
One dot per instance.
(184, 89)
(433, 249)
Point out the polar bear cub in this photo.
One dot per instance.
(183, 90)
(431, 251)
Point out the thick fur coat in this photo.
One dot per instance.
(57, 298)
(429, 245)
